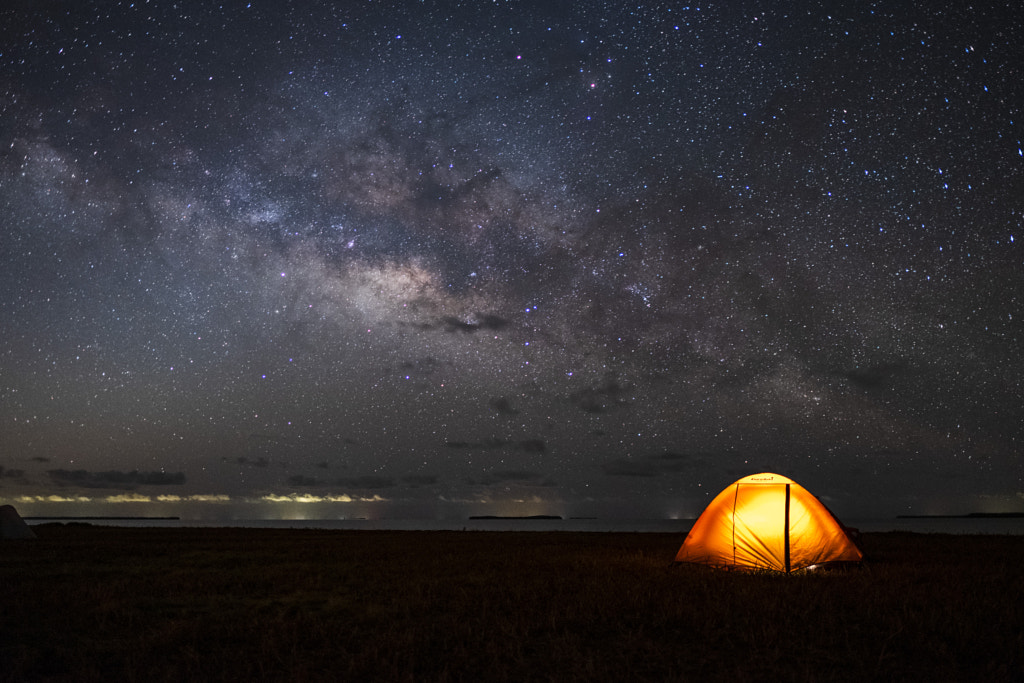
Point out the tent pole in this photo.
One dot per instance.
(787, 530)
(735, 499)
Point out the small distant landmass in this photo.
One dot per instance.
(94, 517)
(969, 515)
(516, 517)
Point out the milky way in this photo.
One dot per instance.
(506, 257)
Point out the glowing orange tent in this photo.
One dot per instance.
(766, 521)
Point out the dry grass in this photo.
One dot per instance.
(88, 603)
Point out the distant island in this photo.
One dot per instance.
(969, 515)
(515, 517)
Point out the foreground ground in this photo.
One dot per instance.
(86, 603)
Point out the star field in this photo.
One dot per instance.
(510, 258)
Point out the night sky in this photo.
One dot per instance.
(432, 259)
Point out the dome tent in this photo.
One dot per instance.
(767, 522)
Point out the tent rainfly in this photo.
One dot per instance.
(767, 522)
(12, 525)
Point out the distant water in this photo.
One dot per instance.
(944, 525)
(939, 525)
(595, 525)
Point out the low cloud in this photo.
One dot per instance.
(525, 445)
(420, 367)
(602, 398)
(364, 482)
(312, 498)
(514, 478)
(54, 498)
(516, 475)
(667, 462)
(274, 439)
(531, 446)
(502, 406)
(128, 498)
(195, 498)
(367, 482)
(301, 480)
(419, 480)
(875, 376)
(249, 462)
(486, 444)
(623, 467)
(115, 479)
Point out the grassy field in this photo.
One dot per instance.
(90, 603)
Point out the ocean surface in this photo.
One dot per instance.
(937, 525)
